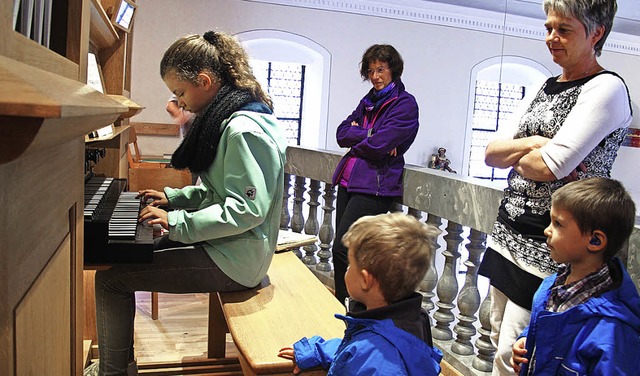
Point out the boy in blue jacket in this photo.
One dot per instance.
(388, 332)
(585, 320)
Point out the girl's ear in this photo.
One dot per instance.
(205, 80)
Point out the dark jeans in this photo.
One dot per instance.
(350, 207)
(176, 268)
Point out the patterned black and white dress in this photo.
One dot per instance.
(587, 120)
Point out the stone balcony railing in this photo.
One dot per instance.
(461, 205)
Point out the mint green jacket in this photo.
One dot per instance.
(236, 209)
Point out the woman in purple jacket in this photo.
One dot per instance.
(377, 133)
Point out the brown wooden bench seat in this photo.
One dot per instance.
(289, 304)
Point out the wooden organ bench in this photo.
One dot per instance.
(290, 303)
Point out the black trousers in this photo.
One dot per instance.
(350, 207)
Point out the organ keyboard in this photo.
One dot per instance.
(112, 233)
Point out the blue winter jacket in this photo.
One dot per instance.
(369, 347)
(598, 337)
(395, 125)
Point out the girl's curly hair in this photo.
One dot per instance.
(217, 53)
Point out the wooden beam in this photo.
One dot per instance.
(163, 129)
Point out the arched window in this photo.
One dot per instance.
(285, 84)
(499, 86)
(295, 71)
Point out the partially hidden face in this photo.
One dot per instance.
(353, 278)
(192, 97)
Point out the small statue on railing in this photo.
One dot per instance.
(440, 161)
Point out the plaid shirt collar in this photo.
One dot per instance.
(564, 297)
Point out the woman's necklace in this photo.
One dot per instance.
(585, 74)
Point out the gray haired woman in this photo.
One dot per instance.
(572, 130)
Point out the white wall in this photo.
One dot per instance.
(438, 64)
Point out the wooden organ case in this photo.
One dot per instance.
(46, 109)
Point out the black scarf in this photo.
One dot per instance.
(198, 148)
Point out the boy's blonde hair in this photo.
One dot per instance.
(599, 204)
(395, 248)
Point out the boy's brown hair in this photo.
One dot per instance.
(599, 204)
(395, 248)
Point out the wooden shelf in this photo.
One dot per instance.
(117, 130)
(134, 108)
(35, 96)
(35, 93)
(102, 33)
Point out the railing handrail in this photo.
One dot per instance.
(423, 188)
(467, 201)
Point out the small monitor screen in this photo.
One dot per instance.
(124, 17)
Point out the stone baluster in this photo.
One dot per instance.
(297, 220)
(484, 360)
(326, 229)
(428, 284)
(415, 213)
(469, 297)
(447, 288)
(284, 215)
(396, 207)
(311, 226)
(418, 215)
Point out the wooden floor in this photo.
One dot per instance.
(179, 334)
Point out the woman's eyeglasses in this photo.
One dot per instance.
(378, 70)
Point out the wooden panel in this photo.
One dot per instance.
(123, 167)
(76, 224)
(23, 49)
(164, 129)
(113, 61)
(43, 319)
(78, 36)
(43, 187)
(157, 178)
(90, 332)
(127, 72)
(114, 164)
(102, 33)
(110, 6)
(34, 222)
(6, 22)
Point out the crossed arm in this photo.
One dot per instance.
(523, 154)
(601, 108)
